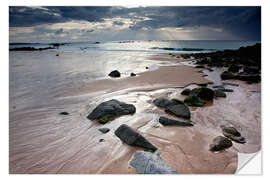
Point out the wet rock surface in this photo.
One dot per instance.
(164, 103)
(180, 110)
(179, 122)
(110, 109)
(193, 100)
(133, 138)
(220, 143)
(150, 163)
(233, 134)
(203, 93)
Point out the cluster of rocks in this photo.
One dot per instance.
(242, 64)
(30, 49)
(221, 142)
(116, 74)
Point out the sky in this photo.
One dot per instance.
(114, 23)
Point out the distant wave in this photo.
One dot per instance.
(182, 49)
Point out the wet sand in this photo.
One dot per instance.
(70, 144)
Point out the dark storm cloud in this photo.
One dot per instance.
(244, 22)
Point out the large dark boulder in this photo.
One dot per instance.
(162, 102)
(115, 73)
(180, 110)
(220, 143)
(233, 134)
(131, 137)
(111, 109)
(150, 163)
(179, 122)
(203, 93)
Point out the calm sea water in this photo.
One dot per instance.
(147, 46)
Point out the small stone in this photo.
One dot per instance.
(115, 73)
(219, 93)
(220, 143)
(104, 130)
(64, 113)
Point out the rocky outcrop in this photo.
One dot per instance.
(220, 143)
(178, 122)
(111, 109)
(150, 163)
(133, 138)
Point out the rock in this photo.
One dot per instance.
(230, 84)
(111, 109)
(115, 73)
(104, 130)
(199, 66)
(57, 55)
(227, 75)
(64, 113)
(150, 163)
(162, 102)
(233, 134)
(219, 86)
(180, 122)
(101, 140)
(255, 78)
(252, 69)
(193, 100)
(131, 137)
(220, 143)
(133, 74)
(225, 90)
(203, 93)
(233, 68)
(219, 93)
(180, 110)
(186, 92)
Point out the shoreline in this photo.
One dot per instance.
(183, 148)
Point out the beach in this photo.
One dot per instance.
(42, 85)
